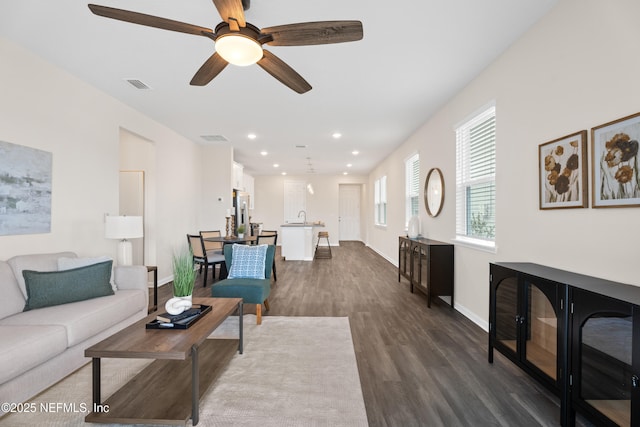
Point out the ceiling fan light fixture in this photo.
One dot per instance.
(238, 49)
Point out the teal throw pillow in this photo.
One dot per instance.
(248, 262)
(48, 288)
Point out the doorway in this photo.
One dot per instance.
(349, 196)
(137, 195)
(132, 204)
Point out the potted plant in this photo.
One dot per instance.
(241, 230)
(184, 276)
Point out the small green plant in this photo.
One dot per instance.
(184, 274)
(481, 224)
(241, 229)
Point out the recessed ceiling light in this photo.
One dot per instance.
(336, 135)
(275, 165)
(345, 173)
(349, 165)
(355, 152)
(264, 153)
(252, 136)
(284, 173)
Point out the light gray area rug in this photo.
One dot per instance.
(295, 371)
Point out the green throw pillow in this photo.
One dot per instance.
(47, 288)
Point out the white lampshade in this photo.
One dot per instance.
(238, 49)
(123, 228)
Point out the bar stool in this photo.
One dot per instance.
(321, 252)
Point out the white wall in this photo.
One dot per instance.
(46, 108)
(576, 69)
(217, 172)
(321, 206)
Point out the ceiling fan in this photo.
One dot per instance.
(239, 42)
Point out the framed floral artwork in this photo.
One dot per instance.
(615, 163)
(562, 165)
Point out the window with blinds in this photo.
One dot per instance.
(475, 177)
(412, 199)
(380, 200)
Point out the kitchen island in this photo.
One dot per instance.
(299, 240)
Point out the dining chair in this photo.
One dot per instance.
(204, 258)
(212, 246)
(269, 237)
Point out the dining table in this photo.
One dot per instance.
(246, 239)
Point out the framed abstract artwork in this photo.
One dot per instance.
(25, 190)
(615, 163)
(562, 167)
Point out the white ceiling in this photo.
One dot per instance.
(415, 55)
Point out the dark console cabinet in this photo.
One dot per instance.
(428, 265)
(577, 335)
(525, 326)
(605, 372)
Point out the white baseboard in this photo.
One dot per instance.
(392, 261)
(472, 316)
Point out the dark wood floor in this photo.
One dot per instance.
(418, 366)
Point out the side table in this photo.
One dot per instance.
(154, 269)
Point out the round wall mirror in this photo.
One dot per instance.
(434, 192)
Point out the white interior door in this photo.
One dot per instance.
(349, 215)
(295, 200)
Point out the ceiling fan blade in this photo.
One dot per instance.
(310, 33)
(231, 10)
(148, 20)
(211, 68)
(284, 73)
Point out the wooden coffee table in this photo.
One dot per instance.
(168, 391)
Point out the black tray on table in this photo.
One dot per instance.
(179, 324)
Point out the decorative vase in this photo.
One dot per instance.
(414, 227)
(177, 305)
(241, 235)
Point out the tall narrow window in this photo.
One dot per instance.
(475, 178)
(412, 187)
(380, 199)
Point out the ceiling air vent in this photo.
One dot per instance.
(214, 138)
(301, 146)
(137, 84)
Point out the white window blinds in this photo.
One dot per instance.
(475, 177)
(412, 167)
(380, 197)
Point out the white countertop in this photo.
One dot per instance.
(304, 224)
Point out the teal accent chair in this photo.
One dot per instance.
(252, 291)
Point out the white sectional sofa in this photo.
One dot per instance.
(44, 344)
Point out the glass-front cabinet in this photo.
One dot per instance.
(428, 266)
(524, 322)
(576, 334)
(602, 364)
(404, 262)
(420, 267)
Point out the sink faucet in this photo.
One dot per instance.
(304, 221)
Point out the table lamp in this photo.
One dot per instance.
(123, 228)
